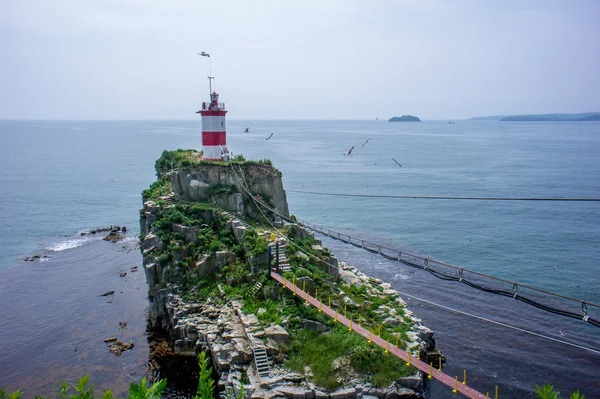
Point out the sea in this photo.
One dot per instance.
(62, 178)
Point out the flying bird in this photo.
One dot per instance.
(366, 142)
(269, 136)
(113, 180)
(204, 54)
(247, 130)
(349, 153)
(396, 162)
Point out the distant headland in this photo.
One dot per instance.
(582, 117)
(404, 118)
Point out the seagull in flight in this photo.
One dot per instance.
(113, 180)
(269, 136)
(396, 162)
(349, 153)
(247, 130)
(366, 142)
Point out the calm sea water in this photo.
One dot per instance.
(62, 177)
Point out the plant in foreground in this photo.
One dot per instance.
(547, 391)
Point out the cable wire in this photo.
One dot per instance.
(500, 323)
(434, 197)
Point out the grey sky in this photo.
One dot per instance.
(305, 59)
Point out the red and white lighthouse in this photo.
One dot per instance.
(214, 130)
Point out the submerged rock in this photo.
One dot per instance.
(107, 293)
(119, 347)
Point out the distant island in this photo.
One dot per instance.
(582, 117)
(405, 118)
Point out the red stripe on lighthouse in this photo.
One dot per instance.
(214, 138)
(212, 113)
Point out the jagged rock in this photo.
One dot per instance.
(414, 382)
(306, 283)
(119, 347)
(277, 334)
(312, 325)
(343, 393)
(150, 241)
(107, 293)
(114, 236)
(123, 325)
(111, 339)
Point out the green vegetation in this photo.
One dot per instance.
(326, 354)
(254, 243)
(206, 385)
(171, 160)
(205, 390)
(82, 391)
(547, 392)
(160, 187)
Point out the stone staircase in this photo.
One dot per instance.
(256, 288)
(261, 361)
(284, 263)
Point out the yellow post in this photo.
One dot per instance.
(294, 289)
(496, 391)
(487, 395)
(430, 376)
(336, 316)
(284, 284)
(350, 329)
(465, 377)
(304, 286)
(344, 310)
(397, 339)
(379, 330)
(419, 354)
(455, 390)
(408, 363)
(370, 336)
(440, 363)
(329, 301)
(359, 322)
(386, 348)
(320, 306)
(307, 297)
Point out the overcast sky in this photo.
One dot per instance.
(305, 59)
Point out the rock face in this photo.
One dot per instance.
(194, 184)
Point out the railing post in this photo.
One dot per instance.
(277, 257)
(269, 259)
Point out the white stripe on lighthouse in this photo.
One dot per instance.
(213, 124)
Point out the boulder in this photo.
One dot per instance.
(277, 334)
(306, 283)
(312, 325)
(150, 241)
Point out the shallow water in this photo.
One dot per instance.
(64, 177)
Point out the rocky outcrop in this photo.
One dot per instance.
(198, 183)
(229, 336)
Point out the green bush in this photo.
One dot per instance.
(158, 188)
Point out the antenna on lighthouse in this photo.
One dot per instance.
(210, 78)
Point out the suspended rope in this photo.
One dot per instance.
(447, 197)
(425, 266)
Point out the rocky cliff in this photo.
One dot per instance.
(228, 185)
(208, 283)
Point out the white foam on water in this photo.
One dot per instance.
(69, 244)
